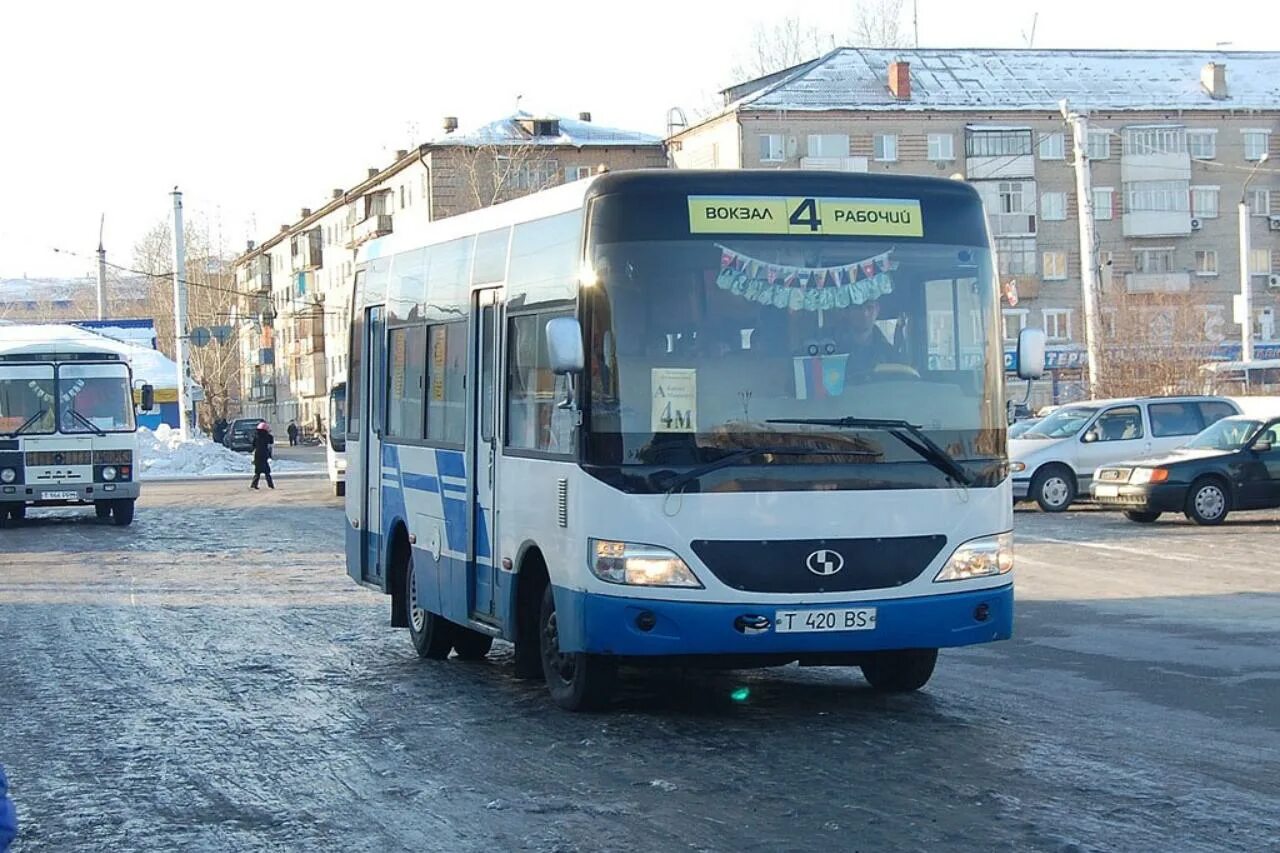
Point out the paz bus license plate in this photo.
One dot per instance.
(59, 496)
(839, 619)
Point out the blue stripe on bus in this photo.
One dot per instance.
(455, 524)
(450, 463)
(482, 537)
(454, 487)
(421, 482)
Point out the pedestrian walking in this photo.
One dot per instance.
(8, 815)
(293, 433)
(262, 441)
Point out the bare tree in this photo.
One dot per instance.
(493, 173)
(791, 41)
(878, 23)
(1154, 343)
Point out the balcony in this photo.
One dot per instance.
(1157, 282)
(1157, 223)
(1012, 224)
(834, 164)
(378, 225)
(262, 392)
(312, 376)
(1006, 166)
(266, 355)
(257, 275)
(306, 250)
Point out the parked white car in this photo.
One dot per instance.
(1053, 462)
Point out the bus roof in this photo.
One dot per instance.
(40, 340)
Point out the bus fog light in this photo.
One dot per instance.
(639, 565)
(8, 475)
(990, 555)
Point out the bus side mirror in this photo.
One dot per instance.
(148, 402)
(1031, 351)
(564, 346)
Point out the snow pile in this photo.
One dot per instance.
(163, 453)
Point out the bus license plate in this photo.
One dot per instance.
(840, 619)
(59, 496)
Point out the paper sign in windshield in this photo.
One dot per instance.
(675, 399)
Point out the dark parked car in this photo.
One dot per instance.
(240, 434)
(1232, 465)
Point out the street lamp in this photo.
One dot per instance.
(1246, 306)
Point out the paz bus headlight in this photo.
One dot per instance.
(979, 558)
(8, 475)
(108, 473)
(639, 565)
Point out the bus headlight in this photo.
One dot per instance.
(8, 475)
(977, 558)
(108, 473)
(639, 565)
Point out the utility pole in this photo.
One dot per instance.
(915, 21)
(102, 267)
(1088, 256)
(180, 316)
(1246, 290)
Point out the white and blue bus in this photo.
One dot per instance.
(335, 446)
(708, 418)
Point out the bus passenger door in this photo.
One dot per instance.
(484, 452)
(375, 372)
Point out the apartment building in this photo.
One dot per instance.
(1176, 140)
(296, 283)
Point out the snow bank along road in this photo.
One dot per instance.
(209, 680)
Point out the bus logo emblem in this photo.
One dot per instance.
(825, 562)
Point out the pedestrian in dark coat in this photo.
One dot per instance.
(293, 433)
(262, 441)
(8, 815)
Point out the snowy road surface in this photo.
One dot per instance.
(209, 679)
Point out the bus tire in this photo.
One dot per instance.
(1054, 488)
(431, 635)
(102, 509)
(576, 681)
(122, 512)
(18, 512)
(471, 645)
(1208, 501)
(900, 671)
(340, 489)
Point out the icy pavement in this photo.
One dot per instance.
(210, 679)
(164, 454)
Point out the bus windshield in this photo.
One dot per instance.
(698, 347)
(26, 400)
(94, 398)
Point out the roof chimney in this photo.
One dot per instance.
(584, 116)
(306, 211)
(373, 172)
(402, 153)
(1214, 79)
(250, 245)
(900, 79)
(284, 228)
(450, 124)
(337, 193)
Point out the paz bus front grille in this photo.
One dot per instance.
(37, 458)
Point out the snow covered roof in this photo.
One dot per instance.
(512, 130)
(149, 365)
(969, 79)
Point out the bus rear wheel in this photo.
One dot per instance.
(577, 681)
(900, 671)
(431, 635)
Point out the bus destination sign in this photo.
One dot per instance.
(843, 217)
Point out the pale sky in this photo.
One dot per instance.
(257, 109)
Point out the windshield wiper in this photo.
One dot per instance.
(94, 428)
(908, 433)
(28, 422)
(733, 458)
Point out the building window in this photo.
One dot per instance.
(1099, 146)
(886, 147)
(1204, 202)
(1206, 262)
(1202, 144)
(576, 173)
(1053, 147)
(1010, 196)
(828, 145)
(1155, 260)
(1017, 255)
(1057, 323)
(771, 148)
(1256, 143)
(1154, 140)
(1104, 202)
(1260, 202)
(1000, 143)
(1014, 321)
(1259, 262)
(942, 146)
(1053, 206)
(1156, 196)
(1055, 266)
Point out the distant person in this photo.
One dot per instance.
(262, 441)
(867, 345)
(219, 430)
(293, 433)
(8, 815)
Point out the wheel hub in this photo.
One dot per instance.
(1210, 502)
(417, 616)
(557, 662)
(1055, 491)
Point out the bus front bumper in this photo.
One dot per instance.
(639, 627)
(61, 494)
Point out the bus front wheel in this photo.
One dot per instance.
(900, 671)
(340, 489)
(102, 509)
(577, 681)
(122, 512)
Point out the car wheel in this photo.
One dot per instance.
(431, 635)
(900, 671)
(1054, 488)
(577, 681)
(1208, 501)
(1141, 517)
